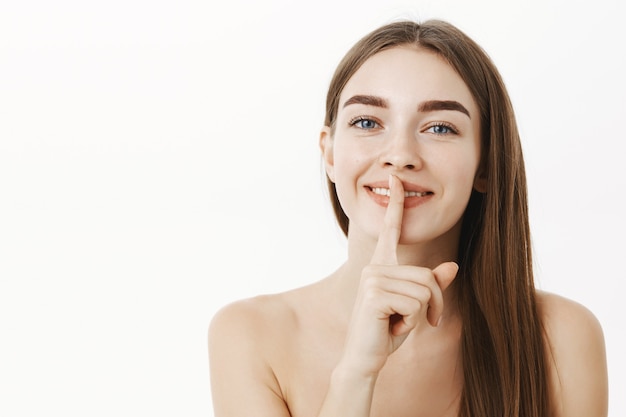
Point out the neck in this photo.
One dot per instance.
(428, 254)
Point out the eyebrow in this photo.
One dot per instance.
(426, 106)
(367, 100)
(434, 105)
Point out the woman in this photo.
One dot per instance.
(434, 312)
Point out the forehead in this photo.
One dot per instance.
(408, 74)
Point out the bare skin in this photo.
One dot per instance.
(297, 343)
(285, 355)
(275, 356)
(380, 336)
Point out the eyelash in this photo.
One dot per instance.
(353, 122)
(356, 120)
(450, 127)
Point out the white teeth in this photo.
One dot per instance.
(413, 194)
(381, 191)
(385, 191)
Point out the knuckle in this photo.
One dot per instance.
(412, 307)
(371, 280)
(432, 279)
(411, 320)
(372, 294)
(427, 293)
(369, 270)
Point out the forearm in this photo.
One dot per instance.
(349, 394)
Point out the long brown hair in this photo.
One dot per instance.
(502, 343)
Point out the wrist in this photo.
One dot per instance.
(350, 393)
(348, 374)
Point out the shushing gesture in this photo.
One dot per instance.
(392, 299)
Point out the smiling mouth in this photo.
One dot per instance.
(385, 192)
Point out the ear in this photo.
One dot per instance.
(326, 146)
(480, 182)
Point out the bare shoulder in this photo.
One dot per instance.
(252, 318)
(577, 357)
(244, 339)
(565, 318)
(252, 329)
(248, 340)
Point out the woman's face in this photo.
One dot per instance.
(405, 112)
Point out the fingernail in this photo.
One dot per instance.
(438, 321)
(390, 180)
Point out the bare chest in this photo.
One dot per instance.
(419, 380)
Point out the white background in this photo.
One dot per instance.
(158, 159)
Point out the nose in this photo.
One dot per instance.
(402, 152)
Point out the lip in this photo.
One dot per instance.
(409, 202)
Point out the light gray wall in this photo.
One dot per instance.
(159, 160)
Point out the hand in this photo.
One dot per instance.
(392, 299)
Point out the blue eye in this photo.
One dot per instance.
(441, 129)
(364, 123)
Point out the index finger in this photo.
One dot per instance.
(386, 248)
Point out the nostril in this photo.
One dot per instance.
(407, 166)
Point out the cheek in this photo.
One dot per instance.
(349, 162)
(346, 177)
(461, 171)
